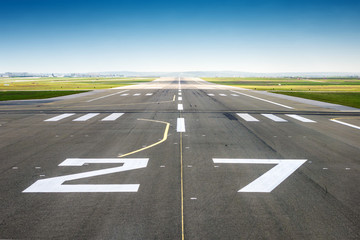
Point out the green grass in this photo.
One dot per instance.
(22, 95)
(351, 99)
(344, 91)
(16, 84)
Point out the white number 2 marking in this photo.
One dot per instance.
(55, 184)
(272, 178)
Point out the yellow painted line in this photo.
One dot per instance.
(182, 189)
(174, 98)
(154, 144)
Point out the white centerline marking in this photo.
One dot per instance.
(179, 98)
(179, 94)
(211, 94)
(137, 94)
(261, 99)
(86, 117)
(57, 118)
(112, 117)
(302, 119)
(235, 95)
(247, 117)
(125, 94)
(106, 96)
(274, 118)
(180, 125)
(149, 94)
(180, 107)
(223, 95)
(344, 123)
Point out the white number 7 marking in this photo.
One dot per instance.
(55, 184)
(272, 178)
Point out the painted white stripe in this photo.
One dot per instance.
(346, 124)
(302, 119)
(272, 178)
(137, 94)
(57, 118)
(125, 94)
(112, 117)
(211, 94)
(221, 94)
(106, 96)
(261, 99)
(86, 117)
(180, 98)
(180, 125)
(149, 94)
(180, 107)
(247, 117)
(179, 93)
(235, 95)
(274, 118)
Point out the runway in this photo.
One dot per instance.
(178, 158)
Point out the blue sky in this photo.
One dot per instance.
(172, 35)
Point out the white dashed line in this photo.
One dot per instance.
(85, 117)
(180, 125)
(180, 107)
(137, 94)
(302, 119)
(112, 117)
(148, 94)
(211, 94)
(179, 98)
(222, 94)
(274, 118)
(247, 117)
(60, 117)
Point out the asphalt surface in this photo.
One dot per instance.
(160, 163)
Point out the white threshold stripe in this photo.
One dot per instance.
(106, 96)
(112, 117)
(86, 117)
(302, 119)
(247, 117)
(261, 99)
(57, 118)
(180, 98)
(180, 125)
(180, 107)
(274, 118)
(346, 124)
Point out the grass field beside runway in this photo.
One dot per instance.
(40, 88)
(23, 95)
(63, 83)
(345, 91)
